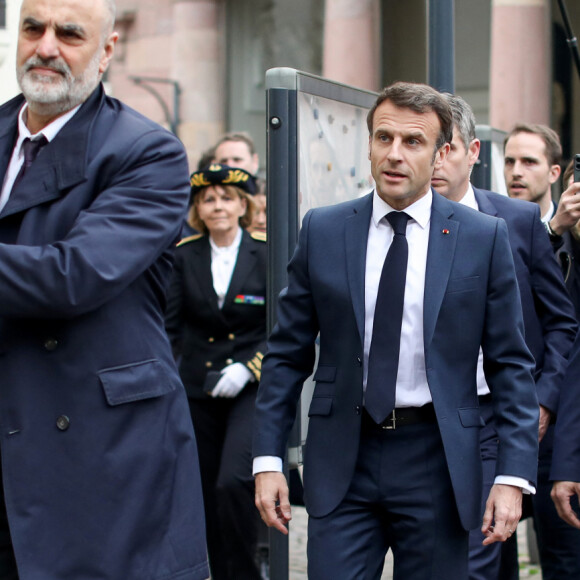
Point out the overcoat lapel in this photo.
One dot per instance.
(60, 165)
(8, 136)
(201, 268)
(442, 245)
(356, 237)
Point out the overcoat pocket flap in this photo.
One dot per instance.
(471, 417)
(320, 406)
(135, 381)
(325, 374)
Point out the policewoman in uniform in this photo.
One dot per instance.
(216, 320)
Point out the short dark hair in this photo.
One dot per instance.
(419, 98)
(548, 136)
(240, 136)
(206, 158)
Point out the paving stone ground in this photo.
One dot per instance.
(298, 550)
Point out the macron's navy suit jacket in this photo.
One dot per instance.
(549, 319)
(99, 460)
(471, 299)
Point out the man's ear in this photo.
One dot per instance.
(441, 155)
(255, 163)
(473, 152)
(554, 173)
(108, 50)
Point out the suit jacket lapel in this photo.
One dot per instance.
(484, 204)
(356, 237)
(202, 274)
(440, 254)
(244, 265)
(61, 164)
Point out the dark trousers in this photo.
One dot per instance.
(223, 429)
(401, 499)
(558, 542)
(8, 569)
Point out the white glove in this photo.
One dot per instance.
(234, 379)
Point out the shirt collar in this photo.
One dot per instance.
(225, 249)
(49, 132)
(550, 213)
(420, 211)
(469, 198)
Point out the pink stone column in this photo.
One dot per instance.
(197, 61)
(351, 43)
(520, 63)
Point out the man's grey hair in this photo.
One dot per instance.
(463, 118)
(111, 8)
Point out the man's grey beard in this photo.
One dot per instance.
(50, 96)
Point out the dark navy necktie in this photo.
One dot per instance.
(386, 338)
(30, 148)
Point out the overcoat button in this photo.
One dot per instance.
(211, 339)
(231, 336)
(63, 423)
(359, 361)
(50, 344)
(229, 361)
(209, 364)
(357, 409)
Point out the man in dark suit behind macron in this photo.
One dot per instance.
(549, 320)
(99, 461)
(392, 455)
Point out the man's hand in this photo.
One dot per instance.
(503, 509)
(272, 499)
(562, 491)
(545, 416)
(568, 212)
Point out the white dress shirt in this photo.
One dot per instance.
(17, 159)
(223, 262)
(412, 387)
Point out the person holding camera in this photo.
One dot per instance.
(216, 320)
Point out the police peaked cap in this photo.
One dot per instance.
(217, 174)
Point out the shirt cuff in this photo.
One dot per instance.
(267, 463)
(524, 484)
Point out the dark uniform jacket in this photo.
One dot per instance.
(205, 338)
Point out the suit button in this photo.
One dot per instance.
(211, 339)
(229, 361)
(209, 364)
(357, 409)
(50, 344)
(63, 423)
(231, 336)
(359, 361)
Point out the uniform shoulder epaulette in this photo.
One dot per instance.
(260, 236)
(189, 239)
